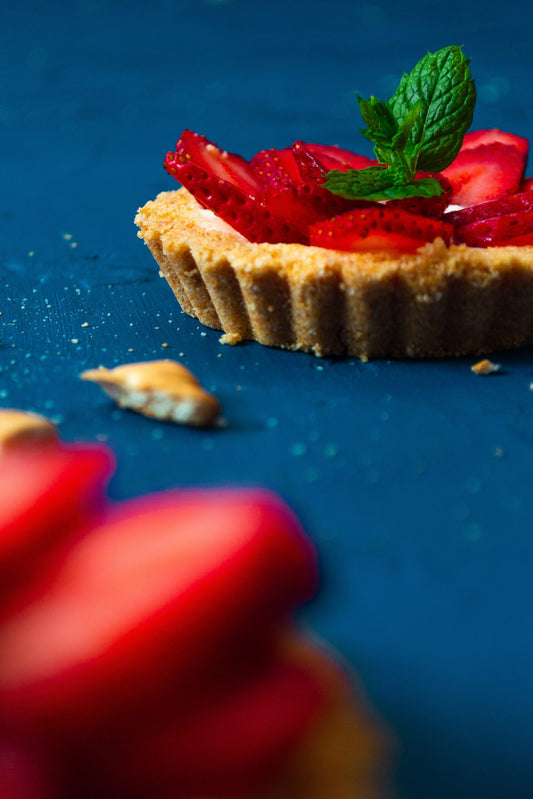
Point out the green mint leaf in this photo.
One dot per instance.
(442, 87)
(381, 127)
(356, 184)
(379, 183)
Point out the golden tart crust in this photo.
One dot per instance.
(438, 302)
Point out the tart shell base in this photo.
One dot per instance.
(439, 302)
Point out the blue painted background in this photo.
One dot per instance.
(414, 479)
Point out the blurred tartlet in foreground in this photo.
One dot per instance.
(148, 648)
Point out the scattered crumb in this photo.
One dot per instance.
(230, 338)
(165, 390)
(85, 324)
(164, 344)
(485, 367)
(24, 428)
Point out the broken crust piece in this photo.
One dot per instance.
(164, 389)
(25, 429)
(441, 301)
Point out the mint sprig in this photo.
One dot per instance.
(421, 128)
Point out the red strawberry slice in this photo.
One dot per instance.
(149, 599)
(486, 172)
(45, 497)
(230, 743)
(378, 228)
(276, 168)
(476, 137)
(23, 773)
(315, 160)
(495, 223)
(306, 204)
(230, 167)
(526, 185)
(227, 185)
(291, 197)
(522, 201)
(494, 232)
(427, 206)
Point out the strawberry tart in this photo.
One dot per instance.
(148, 649)
(424, 251)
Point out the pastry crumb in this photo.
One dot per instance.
(24, 429)
(230, 338)
(164, 390)
(485, 367)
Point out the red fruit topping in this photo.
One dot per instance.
(292, 194)
(226, 166)
(476, 137)
(315, 160)
(227, 185)
(486, 172)
(526, 185)
(378, 228)
(229, 743)
(45, 498)
(276, 168)
(427, 206)
(306, 204)
(23, 773)
(495, 223)
(146, 600)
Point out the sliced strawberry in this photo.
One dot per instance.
(427, 206)
(486, 172)
(149, 599)
(315, 160)
(46, 496)
(306, 204)
(521, 202)
(291, 196)
(236, 740)
(526, 185)
(229, 167)
(276, 168)
(25, 771)
(476, 137)
(378, 228)
(494, 223)
(228, 186)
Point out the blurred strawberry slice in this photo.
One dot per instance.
(149, 597)
(231, 743)
(24, 771)
(485, 172)
(46, 495)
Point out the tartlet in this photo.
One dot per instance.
(441, 301)
(426, 251)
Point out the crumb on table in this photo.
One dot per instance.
(485, 367)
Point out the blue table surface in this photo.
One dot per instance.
(413, 478)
